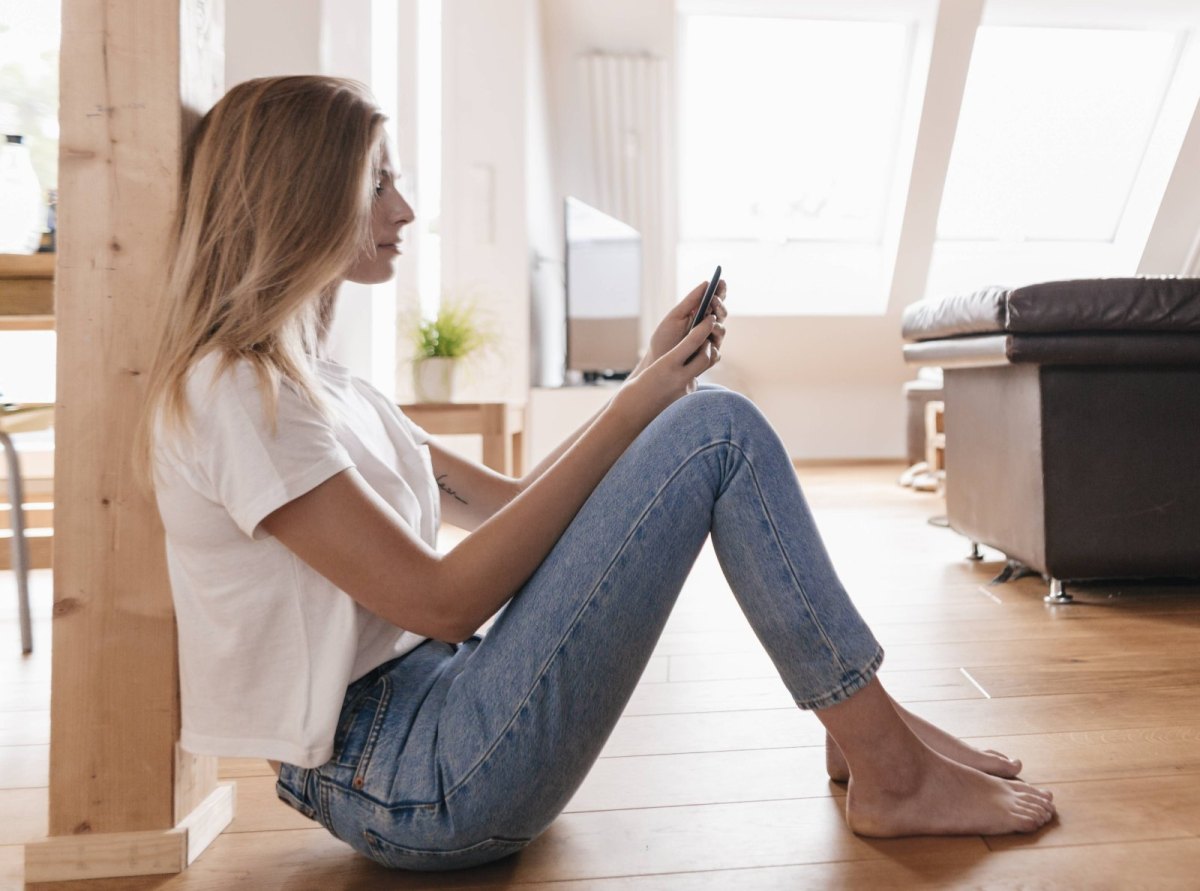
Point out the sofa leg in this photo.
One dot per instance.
(975, 554)
(1058, 593)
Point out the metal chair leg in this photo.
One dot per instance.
(20, 549)
(1058, 593)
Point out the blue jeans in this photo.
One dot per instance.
(452, 756)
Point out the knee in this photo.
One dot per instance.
(720, 402)
(726, 411)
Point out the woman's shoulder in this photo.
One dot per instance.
(219, 377)
(217, 369)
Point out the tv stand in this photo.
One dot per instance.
(596, 377)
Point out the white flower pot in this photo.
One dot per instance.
(435, 379)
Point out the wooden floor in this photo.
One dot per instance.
(712, 781)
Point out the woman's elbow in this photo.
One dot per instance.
(456, 634)
(447, 616)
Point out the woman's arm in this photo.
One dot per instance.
(469, 492)
(345, 531)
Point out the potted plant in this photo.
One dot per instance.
(443, 342)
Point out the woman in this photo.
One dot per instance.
(319, 627)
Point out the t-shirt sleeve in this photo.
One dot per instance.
(250, 468)
(420, 437)
(418, 433)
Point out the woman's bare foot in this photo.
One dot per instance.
(987, 760)
(937, 796)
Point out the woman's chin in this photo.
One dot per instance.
(376, 275)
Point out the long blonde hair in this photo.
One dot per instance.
(275, 204)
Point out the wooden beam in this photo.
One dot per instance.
(135, 75)
(68, 858)
(1176, 228)
(949, 54)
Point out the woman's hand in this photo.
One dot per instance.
(675, 325)
(672, 375)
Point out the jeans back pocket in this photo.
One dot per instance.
(359, 728)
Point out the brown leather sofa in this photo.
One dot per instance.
(1072, 423)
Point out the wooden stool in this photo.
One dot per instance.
(21, 419)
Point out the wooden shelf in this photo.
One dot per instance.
(27, 265)
(27, 291)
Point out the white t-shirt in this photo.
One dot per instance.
(267, 646)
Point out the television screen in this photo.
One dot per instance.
(604, 292)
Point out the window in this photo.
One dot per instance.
(29, 37)
(1054, 131)
(788, 149)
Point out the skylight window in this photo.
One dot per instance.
(789, 127)
(1054, 125)
(1065, 141)
(788, 148)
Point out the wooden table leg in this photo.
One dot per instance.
(497, 444)
(518, 453)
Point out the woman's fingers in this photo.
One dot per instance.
(691, 301)
(695, 337)
(700, 353)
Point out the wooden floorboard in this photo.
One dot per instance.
(713, 780)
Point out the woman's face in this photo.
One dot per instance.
(389, 214)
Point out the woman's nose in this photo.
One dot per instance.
(404, 212)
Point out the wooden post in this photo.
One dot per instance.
(124, 800)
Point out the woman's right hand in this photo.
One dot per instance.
(670, 376)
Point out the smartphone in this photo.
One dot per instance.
(708, 296)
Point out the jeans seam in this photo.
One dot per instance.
(788, 563)
(377, 723)
(575, 619)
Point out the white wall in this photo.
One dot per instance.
(258, 43)
(543, 212)
(485, 210)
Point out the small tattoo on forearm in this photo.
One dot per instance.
(448, 490)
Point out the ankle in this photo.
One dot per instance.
(897, 771)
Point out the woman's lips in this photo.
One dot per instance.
(393, 247)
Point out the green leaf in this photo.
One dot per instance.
(453, 334)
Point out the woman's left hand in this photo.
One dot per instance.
(674, 325)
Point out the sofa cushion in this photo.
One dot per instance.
(1078, 305)
(1111, 348)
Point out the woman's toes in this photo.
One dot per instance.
(1025, 788)
(1012, 766)
(1029, 823)
(1037, 808)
